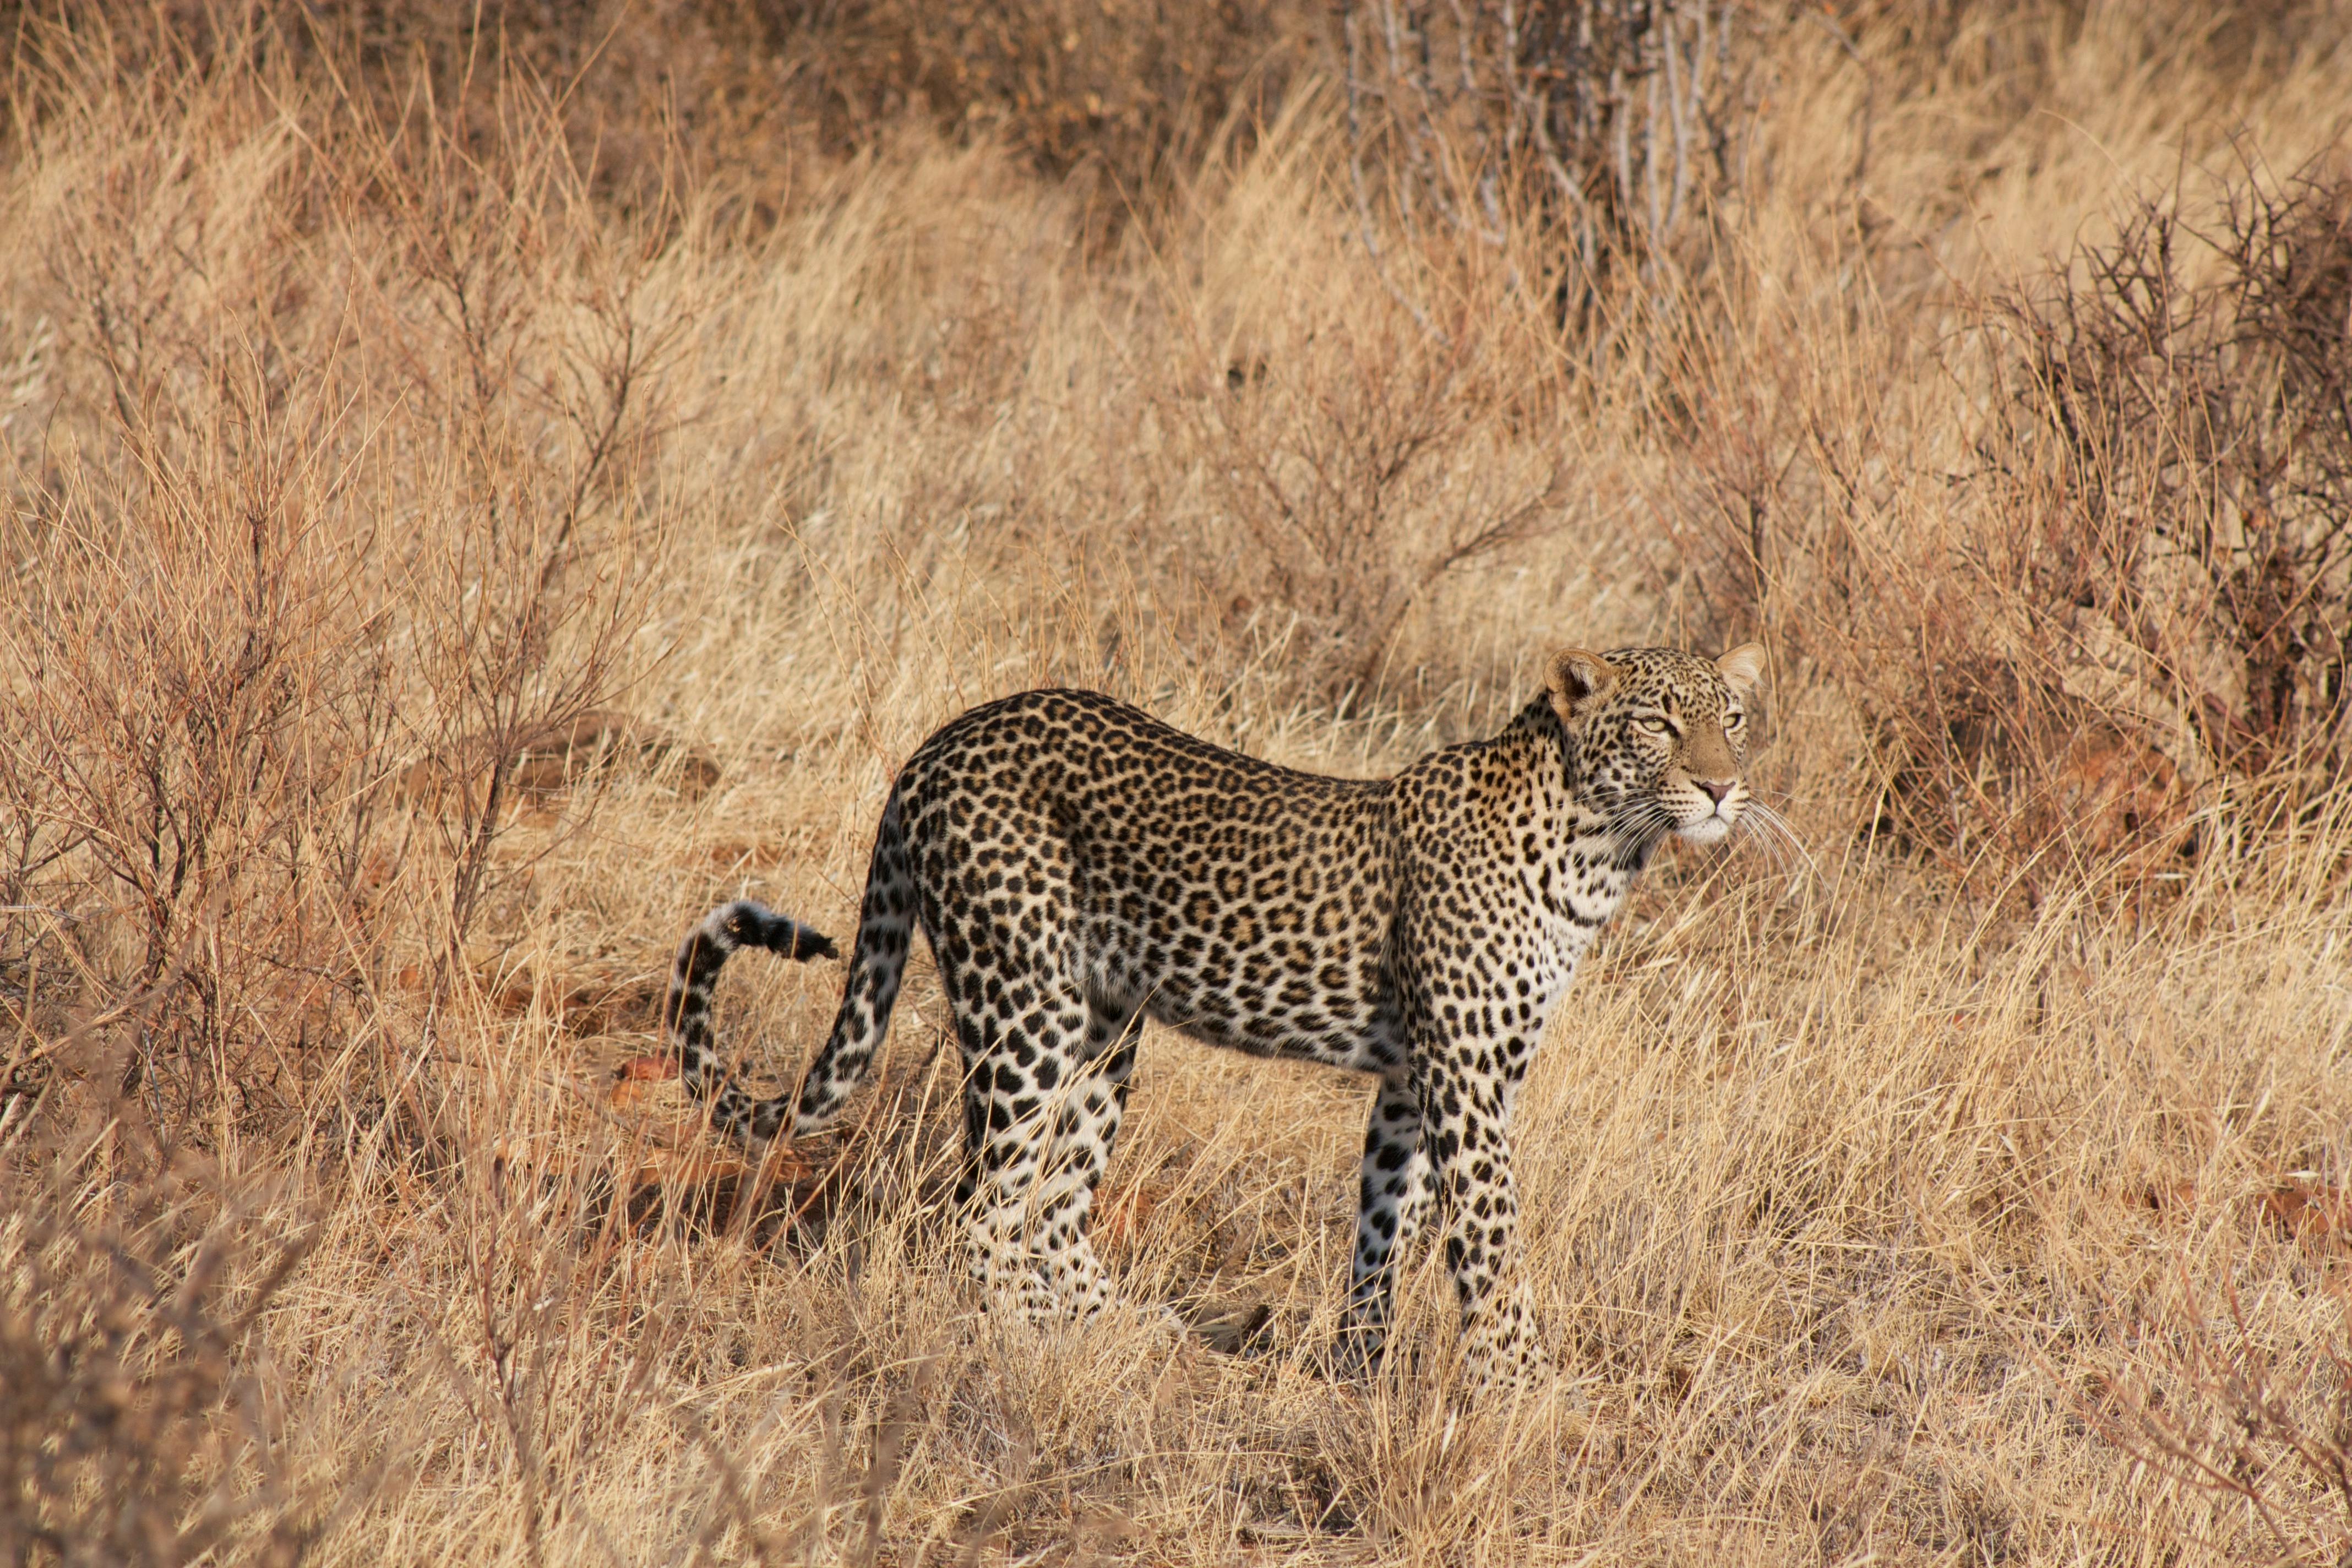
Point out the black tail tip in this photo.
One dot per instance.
(750, 925)
(805, 943)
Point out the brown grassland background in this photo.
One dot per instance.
(481, 484)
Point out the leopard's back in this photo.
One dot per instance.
(1243, 902)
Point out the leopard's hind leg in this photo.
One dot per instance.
(1394, 1199)
(1086, 1119)
(1020, 1026)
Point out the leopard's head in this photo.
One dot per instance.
(1661, 736)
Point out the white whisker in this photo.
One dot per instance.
(1768, 827)
(1768, 844)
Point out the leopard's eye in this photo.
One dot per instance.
(1733, 720)
(1657, 726)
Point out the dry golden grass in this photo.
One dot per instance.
(1965, 1201)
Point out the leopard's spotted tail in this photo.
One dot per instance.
(685, 1011)
(886, 925)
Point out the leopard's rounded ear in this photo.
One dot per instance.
(1743, 667)
(1575, 677)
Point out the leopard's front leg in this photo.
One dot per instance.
(1464, 1094)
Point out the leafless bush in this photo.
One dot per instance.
(508, 307)
(2124, 629)
(197, 700)
(360, 476)
(1359, 463)
(140, 1424)
(2195, 439)
(2224, 1413)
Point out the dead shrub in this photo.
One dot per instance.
(1356, 459)
(2123, 632)
(349, 466)
(2194, 436)
(140, 1422)
(530, 328)
(210, 752)
(2215, 1407)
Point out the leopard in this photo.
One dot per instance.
(1078, 866)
